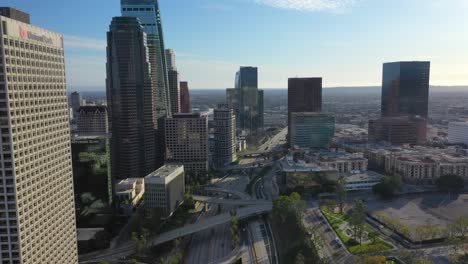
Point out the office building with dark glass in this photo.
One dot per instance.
(130, 100)
(250, 100)
(184, 98)
(148, 13)
(405, 104)
(304, 95)
(405, 89)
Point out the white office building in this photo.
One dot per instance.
(37, 207)
(165, 189)
(458, 133)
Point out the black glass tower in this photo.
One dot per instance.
(405, 89)
(130, 100)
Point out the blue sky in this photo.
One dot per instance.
(343, 41)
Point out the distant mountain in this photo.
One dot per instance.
(328, 91)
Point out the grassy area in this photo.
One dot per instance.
(336, 220)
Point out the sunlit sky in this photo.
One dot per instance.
(343, 41)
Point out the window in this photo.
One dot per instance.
(4, 26)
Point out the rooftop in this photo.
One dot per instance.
(164, 174)
(364, 176)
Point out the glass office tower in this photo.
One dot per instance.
(147, 11)
(130, 100)
(405, 89)
(250, 100)
(312, 130)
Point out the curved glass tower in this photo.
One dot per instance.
(147, 11)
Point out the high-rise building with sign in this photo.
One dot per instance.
(37, 208)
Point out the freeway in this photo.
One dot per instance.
(212, 200)
(275, 141)
(208, 223)
(239, 194)
(205, 224)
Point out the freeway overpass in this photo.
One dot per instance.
(241, 195)
(129, 248)
(212, 200)
(211, 222)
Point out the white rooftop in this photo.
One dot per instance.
(165, 174)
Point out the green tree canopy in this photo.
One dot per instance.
(451, 183)
(388, 187)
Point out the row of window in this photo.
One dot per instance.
(32, 47)
(137, 9)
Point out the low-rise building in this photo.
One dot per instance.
(426, 164)
(130, 191)
(362, 181)
(311, 130)
(338, 160)
(165, 189)
(398, 130)
(419, 164)
(458, 133)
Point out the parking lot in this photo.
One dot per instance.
(423, 209)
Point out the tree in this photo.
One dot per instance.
(373, 260)
(462, 259)
(372, 236)
(459, 228)
(451, 183)
(357, 220)
(234, 228)
(289, 207)
(141, 239)
(406, 256)
(91, 205)
(387, 187)
(300, 259)
(423, 261)
(340, 192)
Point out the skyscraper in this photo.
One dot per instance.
(304, 95)
(130, 100)
(405, 104)
(250, 100)
(187, 142)
(405, 89)
(174, 86)
(184, 98)
(147, 11)
(92, 120)
(76, 101)
(37, 208)
(224, 135)
(170, 59)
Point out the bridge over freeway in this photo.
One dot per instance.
(241, 202)
(204, 224)
(241, 195)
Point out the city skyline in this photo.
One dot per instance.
(354, 38)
